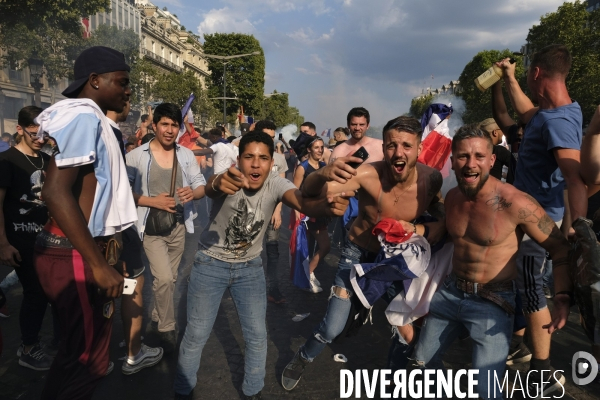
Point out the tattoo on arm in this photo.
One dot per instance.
(435, 184)
(499, 203)
(544, 223)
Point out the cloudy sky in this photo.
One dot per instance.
(332, 55)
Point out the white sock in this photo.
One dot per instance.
(136, 358)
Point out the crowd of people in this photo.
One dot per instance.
(75, 223)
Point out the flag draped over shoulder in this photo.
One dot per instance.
(299, 271)
(437, 143)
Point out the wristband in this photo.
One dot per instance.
(212, 184)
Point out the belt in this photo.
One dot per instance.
(486, 291)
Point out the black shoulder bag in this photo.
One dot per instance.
(161, 222)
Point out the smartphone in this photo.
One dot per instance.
(360, 153)
(129, 286)
(281, 136)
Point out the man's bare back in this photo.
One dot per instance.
(373, 146)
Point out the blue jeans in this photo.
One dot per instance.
(208, 280)
(338, 308)
(489, 325)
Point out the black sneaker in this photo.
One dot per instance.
(519, 355)
(256, 396)
(275, 296)
(553, 382)
(36, 359)
(293, 372)
(168, 340)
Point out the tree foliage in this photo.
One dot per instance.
(124, 40)
(61, 14)
(245, 76)
(479, 104)
(579, 30)
(176, 88)
(418, 105)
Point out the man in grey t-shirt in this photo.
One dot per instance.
(229, 258)
(272, 236)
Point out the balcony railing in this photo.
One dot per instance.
(163, 61)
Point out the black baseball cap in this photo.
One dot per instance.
(97, 59)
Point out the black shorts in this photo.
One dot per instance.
(132, 252)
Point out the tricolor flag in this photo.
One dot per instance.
(437, 143)
(299, 271)
(326, 132)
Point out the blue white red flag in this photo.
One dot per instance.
(326, 132)
(299, 270)
(437, 143)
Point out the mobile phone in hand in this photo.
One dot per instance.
(281, 136)
(129, 286)
(360, 153)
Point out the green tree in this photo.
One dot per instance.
(49, 28)
(142, 78)
(418, 105)
(124, 40)
(245, 76)
(479, 104)
(579, 30)
(176, 88)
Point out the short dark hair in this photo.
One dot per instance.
(216, 132)
(257, 137)
(144, 117)
(404, 124)
(358, 112)
(7, 135)
(310, 125)
(265, 124)
(554, 60)
(344, 130)
(471, 131)
(168, 110)
(27, 115)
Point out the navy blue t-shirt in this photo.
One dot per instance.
(537, 171)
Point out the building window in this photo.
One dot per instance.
(171, 56)
(162, 51)
(153, 47)
(12, 107)
(14, 74)
(177, 60)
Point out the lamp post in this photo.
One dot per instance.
(203, 118)
(225, 61)
(36, 71)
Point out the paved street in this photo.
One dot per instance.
(221, 371)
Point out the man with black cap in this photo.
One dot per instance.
(89, 202)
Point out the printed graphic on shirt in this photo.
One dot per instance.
(33, 200)
(242, 228)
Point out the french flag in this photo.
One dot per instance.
(299, 270)
(437, 143)
(326, 132)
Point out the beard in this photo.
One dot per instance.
(471, 191)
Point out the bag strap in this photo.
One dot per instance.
(173, 172)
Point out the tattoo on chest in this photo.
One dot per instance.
(499, 203)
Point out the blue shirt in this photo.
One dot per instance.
(4, 146)
(138, 170)
(537, 171)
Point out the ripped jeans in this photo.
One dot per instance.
(338, 308)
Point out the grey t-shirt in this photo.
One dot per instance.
(239, 222)
(160, 180)
(280, 165)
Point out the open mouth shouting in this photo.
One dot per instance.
(254, 176)
(470, 177)
(399, 166)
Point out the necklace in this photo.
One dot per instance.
(30, 162)
(397, 196)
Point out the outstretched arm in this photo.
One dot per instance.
(341, 177)
(327, 205)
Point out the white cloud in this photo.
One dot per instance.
(307, 36)
(225, 20)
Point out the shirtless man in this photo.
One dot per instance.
(398, 188)
(358, 120)
(89, 199)
(483, 217)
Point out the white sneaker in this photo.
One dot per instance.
(314, 288)
(314, 279)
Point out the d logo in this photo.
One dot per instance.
(583, 364)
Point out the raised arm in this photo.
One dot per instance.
(534, 221)
(499, 110)
(590, 151)
(327, 205)
(62, 205)
(338, 172)
(520, 102)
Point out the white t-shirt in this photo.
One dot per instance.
(225, 155)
